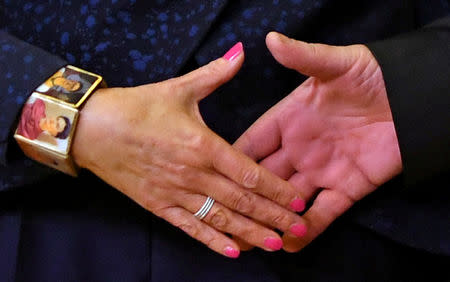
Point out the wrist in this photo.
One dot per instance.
(88, 131)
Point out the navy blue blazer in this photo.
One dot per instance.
(55, 228)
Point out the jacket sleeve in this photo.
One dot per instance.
(415, 68)
(23, 68)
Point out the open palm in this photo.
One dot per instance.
(333, 136)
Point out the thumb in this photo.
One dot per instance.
(202, 81)
(318, 60)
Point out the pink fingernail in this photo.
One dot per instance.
(298, 205)
(231, 252)
(299, 230)
(273, 243)
(234, 52)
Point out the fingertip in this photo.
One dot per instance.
(203, 81)
(273, 35)
(298, 229)
(290, 250)
(298, 205)
(234, 52)
(232, 252)
(233, 59)
(273, 243)
(291, 243)
(272, 38)
(280, 47)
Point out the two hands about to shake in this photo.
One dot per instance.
(333, 138)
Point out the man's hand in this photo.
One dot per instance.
(151, 143)
(333, 137)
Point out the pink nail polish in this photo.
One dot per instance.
(298, 205)
(299, 230)
(231, 252)
(234, 52)
(273, 243)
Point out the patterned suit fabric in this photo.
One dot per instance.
(94, 228)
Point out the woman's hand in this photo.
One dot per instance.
(151, 143)
(333, 137)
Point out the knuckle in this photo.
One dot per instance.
(250, 177)
(278, 196)
(173, 85)
(150, 203)
(313, 49)
(244, 203)
(359, 50)
(180, 87)
(169, 88)
(181, 174)
(165, 212)
(186, 178)
(190, 229)
(280, 220)
(174, 216)
(214, 69)
(211, 241)
(148, 194)
(219, 219)
(197, 142)
(180, 169)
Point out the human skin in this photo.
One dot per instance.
(151, 143)
(333, 137)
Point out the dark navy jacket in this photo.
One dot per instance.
(55, 228)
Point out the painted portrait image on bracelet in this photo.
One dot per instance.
(44, 122)
(69, 85)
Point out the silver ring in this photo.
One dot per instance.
(203, 211)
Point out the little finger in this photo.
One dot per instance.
(215, 240)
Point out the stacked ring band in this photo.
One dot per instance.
(203, 211)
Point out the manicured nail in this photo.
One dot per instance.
(299, 230)
(298, 205)
(234, 52)
(231, 252)
(273, 243)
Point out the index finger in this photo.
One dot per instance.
(261, 139)
(244, 171)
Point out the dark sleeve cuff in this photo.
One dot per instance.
(416, 71)
(23, 68)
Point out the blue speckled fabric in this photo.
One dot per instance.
(152, 41)
(60, 229)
